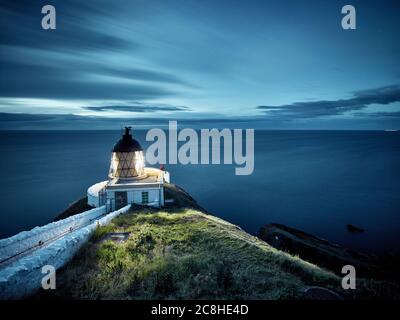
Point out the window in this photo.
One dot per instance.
(145, 197)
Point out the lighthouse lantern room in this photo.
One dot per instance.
(129, 180)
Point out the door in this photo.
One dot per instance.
(121, 199)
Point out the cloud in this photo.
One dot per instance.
(24, 121)
(20, 25)
(313, 109)
(60, 64)
(136, 74)
(54, 82)
(139, 107)
(18, 117)
(113, 55)
(381, 114)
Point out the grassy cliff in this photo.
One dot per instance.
(184, 253)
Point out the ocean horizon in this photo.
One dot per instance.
(317, 181)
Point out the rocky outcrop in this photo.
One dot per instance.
(318, 251)
(178, 199)
(318, 293)
(352, 228)
(74, 208)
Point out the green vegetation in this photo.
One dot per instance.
(187, 255)
(183, 253)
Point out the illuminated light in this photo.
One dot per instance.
(127, 161)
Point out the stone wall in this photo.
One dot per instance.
(24, 275)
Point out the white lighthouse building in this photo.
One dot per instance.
(129, 181)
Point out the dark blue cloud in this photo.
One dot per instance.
(138, 107)
(312, 109)
(134, 74)
(21, 26)
(60, 68)
(21, 117)
(380, 114)
(59, 83)
(23, 121)
(12, 121)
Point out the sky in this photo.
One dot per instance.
(264, 64)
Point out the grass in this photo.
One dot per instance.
(189, 255)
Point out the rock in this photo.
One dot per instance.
(74, 208)
(352, 228)
(316, 250)
(318, 293)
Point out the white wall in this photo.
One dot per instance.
(24, 276)
(153, 195)
(27, 239)
(93, 200)
(166, 176)
(135, 195)
(93, 193)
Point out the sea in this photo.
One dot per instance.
(315, 181)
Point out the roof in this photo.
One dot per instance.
(127, 143)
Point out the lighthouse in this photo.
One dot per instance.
(129, 180)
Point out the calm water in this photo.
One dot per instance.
(317, 181)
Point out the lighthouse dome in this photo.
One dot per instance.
(127, 143)
(127, 160)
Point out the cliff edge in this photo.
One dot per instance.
(181, 252)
